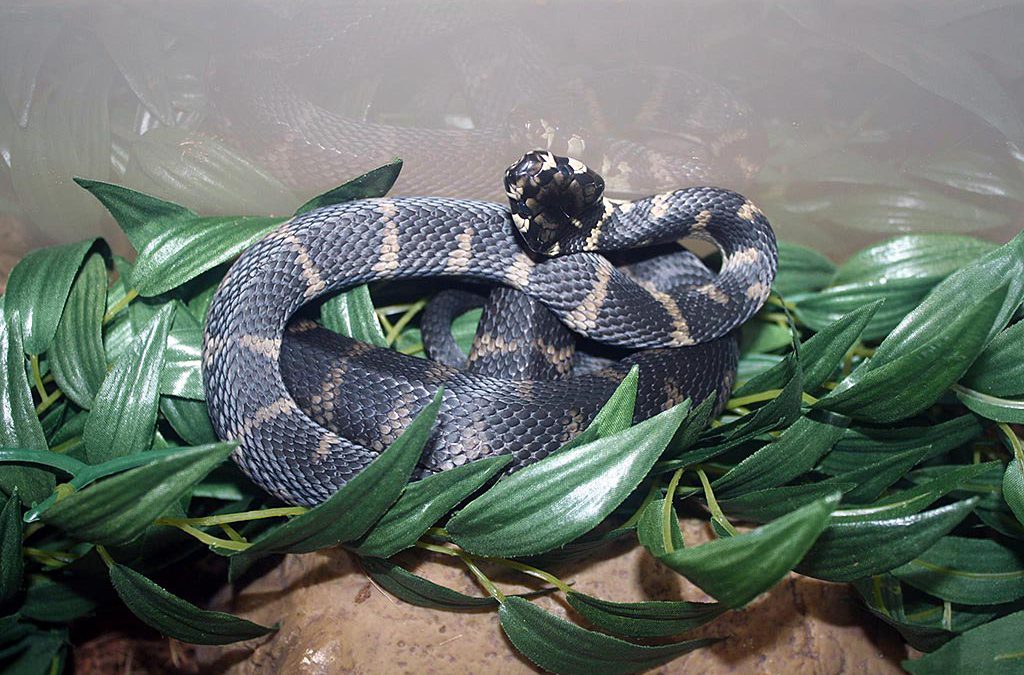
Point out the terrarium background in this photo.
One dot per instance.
(861, 119)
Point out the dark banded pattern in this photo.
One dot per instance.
(310, 408)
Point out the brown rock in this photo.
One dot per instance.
(334, 619)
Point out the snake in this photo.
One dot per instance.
(311, 408)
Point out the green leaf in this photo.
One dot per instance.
(931, 256)
(375, 183)
(141, 217)
(898, 296)
(182, 375)
(350, 511)
(38, 288)
(736, 570)
(654, 530)
(819, 355)
(416, 590)
(11, 561)
(58, 598)
(644, 619)
(124, 414)
(862, 446)
(615, 415)
(183, 252)
(39, 652)
(351, 314)
(990, 649)
(118, 509)
(423, 503)
(19, 426)
(932, 623)
(761, 337)
(795, 452)
(177, 618)
(999, 370)
(802, 269)
(77, 356)
(991, 407)
(190, 419)
(1013, 487)
(765, 505)
(873, 479)
(779, 412)
(559, 498)
(914, 499)
(961, 289)
(562, 647)
(854, 549)
(967, 571)
(894, 385)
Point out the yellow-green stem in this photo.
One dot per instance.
(488, 585)
(66, 445)
(762, 396)
(106, 556)
(648, 498)
(404, 320)
(241, 516)
(1015, 444)
(50, 558)
(37, 376)
(232, 533)
(716, 510)
(211, 540)
(534, 572)
(666, 511)
(47, 402)
(467, 559)
(120, 305)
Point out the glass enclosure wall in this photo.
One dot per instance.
(845, 122)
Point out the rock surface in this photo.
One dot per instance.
(333, 619)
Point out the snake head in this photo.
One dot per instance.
(552, 200)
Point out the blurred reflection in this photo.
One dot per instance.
(845, 123)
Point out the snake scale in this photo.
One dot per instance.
(311, 408)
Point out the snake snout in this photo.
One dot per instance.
(549, 197)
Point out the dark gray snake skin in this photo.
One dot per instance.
(311, 408)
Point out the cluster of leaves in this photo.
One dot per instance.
(870, 440)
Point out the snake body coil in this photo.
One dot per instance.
(311, 408)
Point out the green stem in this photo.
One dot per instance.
(242, 516)
(648, 498)
(1015, 444)
(50, 558)
(488, 585)
(66, 445)
(666, 511)
(209, 539)
(105, 555)
(716, 510)
(116, 308)
(467, 559)
(534, 572)
(762, 396)
(38, 377)
(47, 402)
(404, 320)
